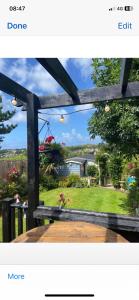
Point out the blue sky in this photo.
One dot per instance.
(31, 75)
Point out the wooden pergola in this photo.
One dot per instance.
(32, 103)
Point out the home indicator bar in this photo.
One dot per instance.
(69, 295)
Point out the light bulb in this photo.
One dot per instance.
(62, 118)
(14, 101)
(107, 108)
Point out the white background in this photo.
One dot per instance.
(70, 17)
(105, 282)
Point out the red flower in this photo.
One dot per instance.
(130, 165)
(49, 139)
(13, 174)
(41, 148)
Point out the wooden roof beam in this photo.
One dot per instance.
(12, 88)
(100, 94)
(57, 71)
(125, 72)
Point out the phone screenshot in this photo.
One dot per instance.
(69, 150)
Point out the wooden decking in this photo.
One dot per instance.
(70, 232)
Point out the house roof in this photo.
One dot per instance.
(77, 160)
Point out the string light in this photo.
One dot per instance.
(61, 118)
(14, 101)
(66, 114)
(107, 108)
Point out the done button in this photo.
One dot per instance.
(16, 26)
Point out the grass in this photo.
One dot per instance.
(15, 157)
(96, 198)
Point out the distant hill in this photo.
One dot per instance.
(81, 150)
(13, 154)
(71, 151)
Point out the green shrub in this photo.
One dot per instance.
(84, 181)
(10, 188)
(48, 182)
(92, 171)
(79, 184)
(132, 202)
(115, 167)
(72, 180)
(63, 183)
(22, 185)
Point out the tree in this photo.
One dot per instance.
(102, 159)
(5, 116)
(120, 126)
(92, 171)
(116, 167)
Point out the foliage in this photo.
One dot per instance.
(11, 187)
(63, 183)
(54, 155)
(51, 169)
(22, 185)
(92, 171)
(115, 167)
(102, 159)
(120, 126)
(48, 182)
(14, 157)
(79, 150)
(5, 116)
(132, 202)
(73, 180)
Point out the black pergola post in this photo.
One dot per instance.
(33, 158)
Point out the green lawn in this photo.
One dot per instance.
(96, 198)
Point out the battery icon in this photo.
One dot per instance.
(128, 8)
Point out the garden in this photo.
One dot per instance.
(108, 184)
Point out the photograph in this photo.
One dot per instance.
(69, 150)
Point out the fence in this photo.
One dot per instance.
(13, 221)
(6, 165)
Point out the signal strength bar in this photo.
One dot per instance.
(112, 8)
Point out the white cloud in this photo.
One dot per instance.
(84, 64)
(32, 76)
(19, 117)
(64, 62)
(74, 137)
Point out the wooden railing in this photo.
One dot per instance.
(14, 223)
(108, 220)
(14, 219)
